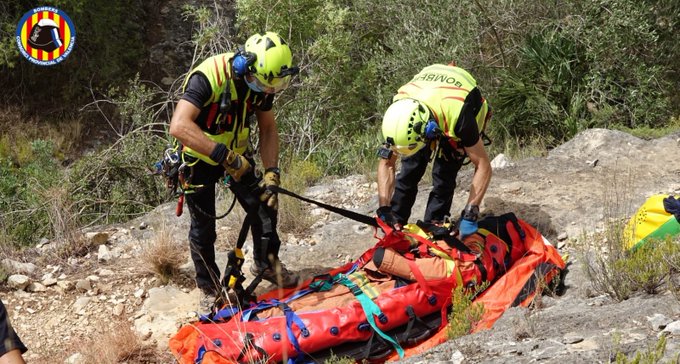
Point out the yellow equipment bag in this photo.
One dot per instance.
(650, 222)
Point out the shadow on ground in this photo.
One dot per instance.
(531, 213)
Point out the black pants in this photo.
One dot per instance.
(202, 234)
(446, 165)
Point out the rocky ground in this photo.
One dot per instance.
(71, 307)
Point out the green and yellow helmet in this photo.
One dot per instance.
(273, 65)
(403, 124)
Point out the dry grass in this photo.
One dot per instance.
(524, 325)
(294, 214)
(163, 256)
(59, 208)
(517, 149)
(76, 245)
(120, 345)
(16, 137)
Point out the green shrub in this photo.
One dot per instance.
(115, 185)
(629, 54)
(299, 174)
(109, 50)
(620, 273)
(542, 96)
(25, 196)
(465, 314)
(548, 73)
(652, 355)
(333, 359)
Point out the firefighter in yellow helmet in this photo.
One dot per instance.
(211, 121)
(440, 111)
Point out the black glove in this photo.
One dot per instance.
(672, 206)
(386, 214)
(437, 231)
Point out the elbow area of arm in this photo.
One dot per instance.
(174, 130)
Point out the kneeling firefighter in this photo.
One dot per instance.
(211, 121)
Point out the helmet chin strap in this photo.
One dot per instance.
(253, 86)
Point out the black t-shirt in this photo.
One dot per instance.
(466, 128)
(468, 131)
(197, 90)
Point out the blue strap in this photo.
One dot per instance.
(223, 315)
(370, 310)
(199, 355)
(293, 319)
(228, 312)
(299, 294)
(261, 306)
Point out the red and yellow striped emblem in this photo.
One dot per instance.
(45, 35)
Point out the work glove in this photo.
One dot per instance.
(270, 180)
(672, 206)
(438, 231)
(467, 227)
(386, 214)
(236, 165)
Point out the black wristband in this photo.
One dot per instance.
(470, 212)
(383, 210)
(385, 153)
(219, 153)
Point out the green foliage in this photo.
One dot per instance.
(548, 71)
(4, 274)
(109, 49)
(648, 133)
(299, 174)
(354, 58)
(333, 359)
(464, 313)
(134, 106)
(620, 273)
(642, 268)
(212, 33)
(589, 64)
(25, 194)
(628, 55)
(294, 214)
(545, 87)
(115, 185)
(8, 50)
(651, 355)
